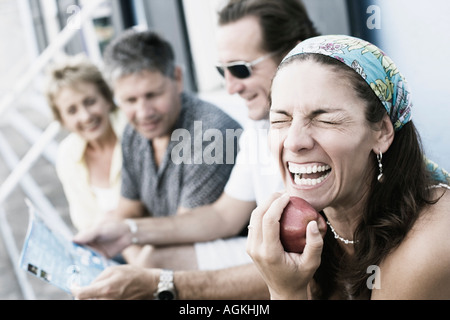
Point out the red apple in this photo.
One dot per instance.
(294, 219)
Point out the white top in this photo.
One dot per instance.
(255, 176)
(106, 198)
(74, 175)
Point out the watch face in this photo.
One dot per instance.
(166, 295)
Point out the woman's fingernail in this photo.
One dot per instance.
(314, 227)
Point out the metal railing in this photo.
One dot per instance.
(20, 167)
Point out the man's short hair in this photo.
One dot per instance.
(136, 51)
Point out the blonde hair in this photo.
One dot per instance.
(69, 73)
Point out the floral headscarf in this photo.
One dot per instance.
(379, 71)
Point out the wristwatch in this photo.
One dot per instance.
(166, 288)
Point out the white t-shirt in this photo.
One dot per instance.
(255, 176)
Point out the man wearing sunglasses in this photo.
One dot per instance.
(253, 37)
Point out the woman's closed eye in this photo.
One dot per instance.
(327, 121)
(275, 121)
(279, 117)
(280, 123)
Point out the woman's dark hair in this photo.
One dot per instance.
(393, 205)
(283, 23)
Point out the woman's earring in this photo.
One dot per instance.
(380, 167)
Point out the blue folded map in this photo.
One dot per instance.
(54, 258)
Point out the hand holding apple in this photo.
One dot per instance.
(286, 274)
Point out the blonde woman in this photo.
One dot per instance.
(89, 159)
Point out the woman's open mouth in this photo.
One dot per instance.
(309, 174)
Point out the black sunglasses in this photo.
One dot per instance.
(240, 69)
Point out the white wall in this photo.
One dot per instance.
(201, 20)
(416, 35)
(328, 16)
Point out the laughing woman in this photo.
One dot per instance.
(342, 133)
(89, 160)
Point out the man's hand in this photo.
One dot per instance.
(108, 238)
(123, 282)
